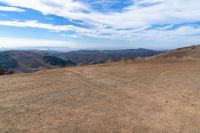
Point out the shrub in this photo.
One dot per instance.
(2, 71)
(10, 72)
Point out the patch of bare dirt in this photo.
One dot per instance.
(124, 97)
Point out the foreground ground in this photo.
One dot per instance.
(125, 97)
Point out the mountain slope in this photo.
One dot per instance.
(102, 56)
(55, 61)
(27, 61)
(191, 53)
(7, 61)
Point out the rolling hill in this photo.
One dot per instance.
(191, 53)
(151, 95)
(102, 56)
(28, 61)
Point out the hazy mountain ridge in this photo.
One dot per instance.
(102, 56)
(27, 61)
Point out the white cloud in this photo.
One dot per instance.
(67, 35)
(131, 23)
(36, 24)
(21, 42)
(130, 34)
(11, 9)
(134, 16)
(57, 28)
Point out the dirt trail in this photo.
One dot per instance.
(124, 97)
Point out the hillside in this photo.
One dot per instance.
(191, 53)
(102, 56)
(28, 61)
(126, 97)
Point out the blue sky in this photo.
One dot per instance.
(100, 24)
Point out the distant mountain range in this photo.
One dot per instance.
(28, 61)
(101, 56)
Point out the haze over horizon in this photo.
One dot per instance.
(101, 24)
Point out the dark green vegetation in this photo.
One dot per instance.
(7, 61)
(55, 61)
(1, 70)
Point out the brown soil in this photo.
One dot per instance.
(124, 97)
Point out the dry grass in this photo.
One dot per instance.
(125, 97)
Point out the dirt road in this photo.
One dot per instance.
(124, 97)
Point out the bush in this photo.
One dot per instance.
(2, 71)
(10, 72)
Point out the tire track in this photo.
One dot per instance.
(115, 96)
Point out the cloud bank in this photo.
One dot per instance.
(11, 9)
(140, 19)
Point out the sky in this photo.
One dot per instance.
(99, 24)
